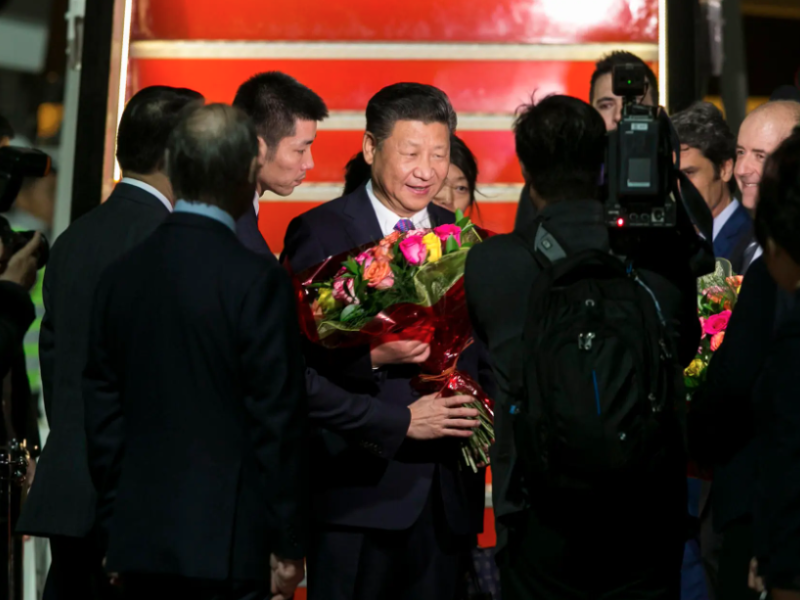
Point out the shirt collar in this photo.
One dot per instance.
(148, 188)
(256, 202)
(388, 219)
(206, 210)
(722, 218)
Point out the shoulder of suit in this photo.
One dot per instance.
(440, 215)
(321, 215)
(499, 253)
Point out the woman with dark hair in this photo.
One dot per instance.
(458, 191)
(356, 173)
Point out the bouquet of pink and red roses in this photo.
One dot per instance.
(716, 298)
(407, 286)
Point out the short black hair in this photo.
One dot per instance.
(275, 102)
(702, 126)
(148, 119)
(209, 154)
(6, 131)
(561, 144)
(408, 102)
(620, 57)
(462, 157)
(778, 211)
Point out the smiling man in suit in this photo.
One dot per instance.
(397, 522)
(285, 114)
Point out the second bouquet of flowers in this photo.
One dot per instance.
(407, 286)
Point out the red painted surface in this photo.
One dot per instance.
(494, 151)
(501, 21)
(477, 86)
(480, 86)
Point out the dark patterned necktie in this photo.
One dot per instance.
(404, 225)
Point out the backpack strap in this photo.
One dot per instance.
(545, 249)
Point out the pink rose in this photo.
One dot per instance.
(414, 250)
(445, 231)
(717, 323)
(344, 290)
(702, 327)
(365, 258)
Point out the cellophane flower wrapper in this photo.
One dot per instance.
(426, 304)
(717, 294)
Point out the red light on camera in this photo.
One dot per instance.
(620, 222)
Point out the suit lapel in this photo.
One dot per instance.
(362, 223)
(733, 230)
(440, 216)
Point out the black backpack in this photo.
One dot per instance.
(598, 370)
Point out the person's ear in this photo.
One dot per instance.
(726, 170)
(263, 151)
(370, 147)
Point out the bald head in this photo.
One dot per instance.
(212, 158)
(761, 133)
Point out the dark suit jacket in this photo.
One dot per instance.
(62, 499)
(741, 256)
(777, 475)
(250, 235)
(737, 227)
(721, 420)
(377, 426)
(195, 407)
(357, 484)
(499, 275)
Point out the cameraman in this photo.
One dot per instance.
(17, 276)
(628, 542)
(606, 103)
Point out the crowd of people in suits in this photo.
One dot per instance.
(201, 448)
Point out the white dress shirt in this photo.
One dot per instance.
(256, 202)
(722, 218)
(388, 219)
(150, 189)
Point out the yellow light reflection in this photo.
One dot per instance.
(123, 78)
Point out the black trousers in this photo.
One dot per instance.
(604, 558)
(734, 561)
(425, 562)
(76, 571)
(170, 587)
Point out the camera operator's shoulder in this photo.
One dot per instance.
(498, 259)
(498, 250)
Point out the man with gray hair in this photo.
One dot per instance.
(195, 397)
(760, 134)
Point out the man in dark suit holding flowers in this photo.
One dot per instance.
(395, 520)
